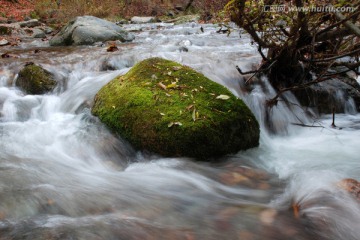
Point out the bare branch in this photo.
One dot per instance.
(335, 57)
(355, 14)
(349, 25)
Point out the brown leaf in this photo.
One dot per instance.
(352, 186)
(112, 48)
(160, 84)
(190, 107)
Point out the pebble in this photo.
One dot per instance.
(4, 42)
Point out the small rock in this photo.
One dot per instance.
(38, 33)
(122, 21)
(30, 23)
(185, 43)
(140, 20)
(47, 30)
(183, 49)
(171, 14)
(4, 42)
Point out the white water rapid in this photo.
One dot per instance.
(63, 175)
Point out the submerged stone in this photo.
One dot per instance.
(170, 109)
(34, 79)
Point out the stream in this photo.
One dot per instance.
(63, 175)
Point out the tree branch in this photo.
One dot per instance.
(349, 25)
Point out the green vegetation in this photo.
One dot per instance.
(170, 109)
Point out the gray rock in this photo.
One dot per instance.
(330, 94)
(48, 30)
(122, 21)
(38, 33)
(139, 20)
(87, 30)
(31, 23)
(4, 42)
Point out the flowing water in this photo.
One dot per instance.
(63, 175)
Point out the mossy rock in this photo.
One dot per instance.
(34, 79)
(5, 30)
(170, 109)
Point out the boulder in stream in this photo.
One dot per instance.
(170, 109)
(332, 94)
(87, 30)
(34, 79)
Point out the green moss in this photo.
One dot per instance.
(33, 79)
(4, 30)
(185, 119)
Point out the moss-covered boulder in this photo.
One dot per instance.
(170, 109)
(34, 79)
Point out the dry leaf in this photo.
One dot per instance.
(189, 107)
(160, 84)
(176, 68)
(223, 97)
(171, 124)
(112, 48)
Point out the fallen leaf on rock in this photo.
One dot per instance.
(160, 84)
(296, 209)
(189, 107)
(172, 85)
(193, 115)
(223, 97)
(171, 124)
(176, 68)
(112, 48)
